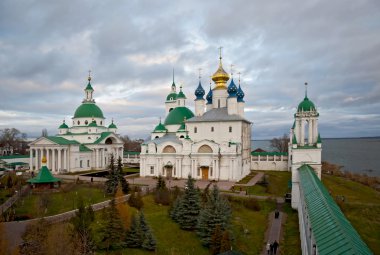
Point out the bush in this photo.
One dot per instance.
(252, 204)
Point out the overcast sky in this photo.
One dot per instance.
(47, 48)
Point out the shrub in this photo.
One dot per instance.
(252, 204)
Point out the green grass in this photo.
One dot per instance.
(131, 170)
(5, 194)
(59, 202)
(361, 207)
(277, 184)
(247, 178)
(291, 243)
(248, 228)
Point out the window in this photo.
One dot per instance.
(101, 122)
(90, 129)
(151, 169)
(156, 137)
(80, 164)
(86, 122)
(181, 136)
(78, 122)
(170, 109)
(218, 103)
(230, 129)
(212, 129)
(88, 163)
(195, 129)
(210, 171)
(199, 172)
(89, 138)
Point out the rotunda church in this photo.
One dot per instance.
(86, 145)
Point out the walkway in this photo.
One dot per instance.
(274, 231)
(253, 181)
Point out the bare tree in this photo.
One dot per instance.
(13, 137)
(132, 145)
(280, 144)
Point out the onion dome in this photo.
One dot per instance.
(209, 96)
(232, 89)
(220, 77)
(63, 125)
(306, 105)
(240, 95)
(88, 110)
(160, 128)
(199, 92)
(177, 115)
(93, 124)
(112, 125)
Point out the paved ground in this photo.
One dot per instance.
(274, 231)
(254, 180)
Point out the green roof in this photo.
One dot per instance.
(103, 136)
(44, 176)
(306, 105)
(182, 128)
(63, 125)
(131, 153)
(319, 140)
(160, 128)
(14, 156)
(294, 125)
(180, 94)
(16, 164)
(333, 233)
(88, 110)
(93, 124)
(84, 148)
(177, 115)
(61, 140)
(112, 125)
(294, 140)
(269, 153)
(89, 87)
(171, 96)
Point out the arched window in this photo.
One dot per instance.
(170, 109)
(169, 149)
(86, 122)
(205, 149)
(181, 136)
(78, 122)
(156, 137)
(212, 129)
(101, 122)
(230, 129)
(108, 141)
(195, 129)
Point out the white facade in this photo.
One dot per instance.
(86, 145)
(213, 144)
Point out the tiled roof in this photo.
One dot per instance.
(44, 176)
(102, 137)
(333, 233)
(61, 140)
(217, 114)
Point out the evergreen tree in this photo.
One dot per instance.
(175, 211)
(161, 184)
(217, 211)
(120, 176)
(188, 212)
(115, 176)
(134, 237)
(112, 231)
(149, 242)
(225, 243)
(135, 200)
(216, 239)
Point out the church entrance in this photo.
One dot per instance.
(204, 170)
(169, 171)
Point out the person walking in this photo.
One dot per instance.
(271, 249)
(268, 248)
(275, 246)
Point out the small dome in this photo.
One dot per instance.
(240, 95)
(89, 87)
(220, 77)
(306, 106)
(88, 110)
(160, 128)
(209, 97)
(177, 115)
(63, 126)
(93, 124)
(112, 125)
(199, 92)
(171, 97)
(180, 94)
(232, 89)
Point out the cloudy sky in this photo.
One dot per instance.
(47, 48)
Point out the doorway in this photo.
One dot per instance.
(204, 170)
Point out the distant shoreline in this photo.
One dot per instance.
(333, 138)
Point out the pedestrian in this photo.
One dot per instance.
(271, 249)
(275, 246)
(268, 248)
(92, 179)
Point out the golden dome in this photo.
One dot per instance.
(220, 77)
(44, 160)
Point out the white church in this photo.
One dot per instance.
(86, 145)
(212, 144)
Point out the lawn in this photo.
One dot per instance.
(277, 184)
(291, 244)
(130, 170)
(361, 207)
(248, 228)
(5, 194)
(46, 204)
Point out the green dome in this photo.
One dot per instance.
(306, 105)
(63, 125)
(171, 97)
(89, 87)
(88, 110)
(177, 115)
(112, 125)
(160, 128)
(93, 124)
(181, 95)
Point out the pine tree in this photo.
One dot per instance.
(216, 239)
(120, 176)
(82, 231)
(175, 211)
(188, 212)
(115, 176)
(134, 237)
(112, 231)
(216, 212)
(148, 240)
(161, 184)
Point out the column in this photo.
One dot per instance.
(65, 159)
(310, 138)
(53, 162)
(48, 158)
(96, 158)
(302, 142)
(59, 159)
(31, 160)
(36, 158)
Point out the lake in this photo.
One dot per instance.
(359, 155)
